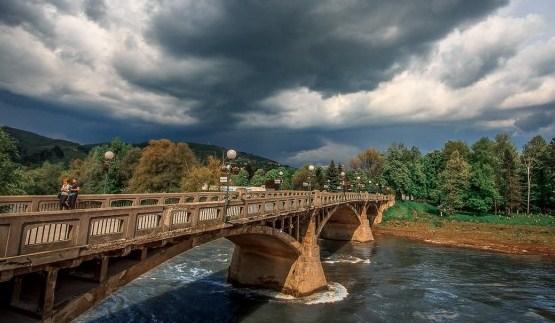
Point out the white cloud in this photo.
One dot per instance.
(74, 64)
(492, 65)
(324, 154)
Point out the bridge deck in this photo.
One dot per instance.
(34, 233)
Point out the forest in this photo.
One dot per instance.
(489, 176)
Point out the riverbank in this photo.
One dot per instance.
(534, 235)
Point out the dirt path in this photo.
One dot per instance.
(514, 239)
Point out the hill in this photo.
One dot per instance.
(34, 149)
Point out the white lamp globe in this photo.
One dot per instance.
(109, 155)
(310, 167)
(342, 174)
(231, 154)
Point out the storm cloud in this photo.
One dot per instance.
(255, 74)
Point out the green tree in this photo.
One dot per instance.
(11, 175)
(432, 165)
(458, 145)
(241, 178)
(503, 145)
(95, 173)
(44, 180)
(548, 162)
(511, 186)
(259, 178)
(397, 169)
(319, 178)
(332, 177)
(454, 183)
(301, 176)
(162, 166)
(482, 191)
(534, 170)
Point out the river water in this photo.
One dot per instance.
(389, 280)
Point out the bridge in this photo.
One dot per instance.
(54, 264)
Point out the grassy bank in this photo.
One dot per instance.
(409, 211)
(518, 234)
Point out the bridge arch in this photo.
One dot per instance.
(347, 222)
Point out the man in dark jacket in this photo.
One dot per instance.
(73, 193)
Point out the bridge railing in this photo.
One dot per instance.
(66, 234)
(50, 203)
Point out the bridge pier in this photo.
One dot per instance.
(346, 226)
(291, 268)
(378, 210)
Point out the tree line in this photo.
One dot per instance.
(490, 176)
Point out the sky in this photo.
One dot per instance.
(295, 81)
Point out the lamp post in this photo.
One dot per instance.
(310, 170)
(279, 181)
(108, 159)
(342, 175)
(231, 155)
(358, 184)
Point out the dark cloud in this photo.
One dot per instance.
(227, 55)
(25, 14)
(533, 122)
(95, 10)
(327, 46)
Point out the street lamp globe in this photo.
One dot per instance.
(342, 174)
(358, 178)
(109, 155)
(280, 173)
(311, 167)
(231, 154)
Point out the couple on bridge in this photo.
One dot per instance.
(68, 194)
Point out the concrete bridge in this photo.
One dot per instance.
(55, 264)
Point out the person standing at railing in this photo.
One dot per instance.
(63, 195)
(73, 193)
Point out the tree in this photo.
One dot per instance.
(95, 174)
(370, 161)
(432, 165)
(332, 177)
(241, 179)
(162, 166)
(511, 187)
(456, 145)
(300, 176)
(548, 162)
(532, 159)
(44, 180)
(482, 191)
(503, 146)
(483, 152)
(259, 178)
(203, 176)
(11, 175)
(397, 169)
(454, 183)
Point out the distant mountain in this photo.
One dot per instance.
(35, 149)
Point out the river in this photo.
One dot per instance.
(389, 280)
